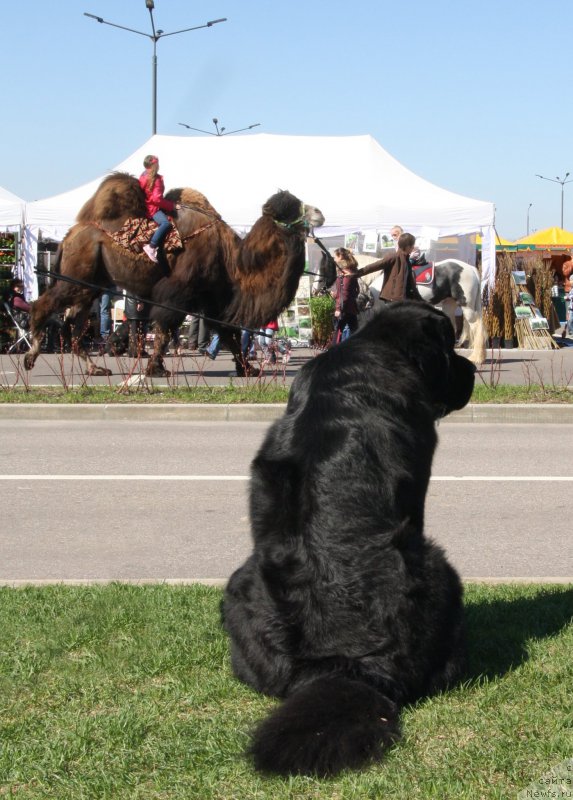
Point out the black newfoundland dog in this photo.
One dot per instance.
(344, 608)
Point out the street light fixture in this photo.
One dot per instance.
(155, 36)
(562, 181)
(528, 207)
(219, 131)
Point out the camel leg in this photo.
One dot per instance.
(243, 367)
(54, 301)
(39, 314)
(156, 366)
(78, 326)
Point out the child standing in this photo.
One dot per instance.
(345, 293)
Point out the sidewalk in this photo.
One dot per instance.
(503, 367)
(507, 413)
(513, 367)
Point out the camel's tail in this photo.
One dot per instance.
(329, 725)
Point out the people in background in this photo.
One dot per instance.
(199, 335)
(568, 329)
(137, 315)
(17, 299)
(399, 281)
(247, 345)
(104, 317)
(567, 269)
(395, 233)
(265, 341)
(345, 293)
(152, 184)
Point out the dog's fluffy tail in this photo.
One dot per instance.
(325, 727)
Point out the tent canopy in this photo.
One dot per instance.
(11, 210)
(550, 237)
(357, 185)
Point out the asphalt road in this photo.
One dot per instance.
(102, 500)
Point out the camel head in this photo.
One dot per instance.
(290, 212)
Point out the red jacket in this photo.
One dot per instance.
(154, 199)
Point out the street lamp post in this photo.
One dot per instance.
(219, 131)
(562, 181)
(155, 36)
(528, 207)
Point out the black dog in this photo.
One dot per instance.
(345, 608)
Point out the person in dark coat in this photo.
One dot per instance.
(399, 281)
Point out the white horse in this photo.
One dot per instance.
(455, 283)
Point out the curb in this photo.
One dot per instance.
(528, 414)
(24, 583)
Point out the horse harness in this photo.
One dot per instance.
(423, 273)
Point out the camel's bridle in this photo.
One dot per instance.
(301, 218)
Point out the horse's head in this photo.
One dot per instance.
(290, 212)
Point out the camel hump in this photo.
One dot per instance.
(118, 196)
(193, 199)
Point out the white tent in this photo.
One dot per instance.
(11, 210)
(12, 220)
(357, 185)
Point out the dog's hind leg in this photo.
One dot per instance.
(257, 658)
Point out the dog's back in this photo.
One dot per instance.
(344, 608)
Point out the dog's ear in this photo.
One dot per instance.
(448, 377)
(430, 343)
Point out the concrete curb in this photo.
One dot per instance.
(221, 582)
(528, 414)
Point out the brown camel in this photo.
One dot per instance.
(241, 282)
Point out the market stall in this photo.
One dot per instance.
(11, 222)
(360, 188)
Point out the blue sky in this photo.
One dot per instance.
(474, 97)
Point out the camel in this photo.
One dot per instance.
(239, 282)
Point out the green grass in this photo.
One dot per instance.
(257, 393)
(124, 691)
(535, 393)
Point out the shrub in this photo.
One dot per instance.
(322, 314)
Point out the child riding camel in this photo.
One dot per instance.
(152, 184)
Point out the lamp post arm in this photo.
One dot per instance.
(114, 25)
(150, 8)
(196, 28)
(241, 129)
(197, 129)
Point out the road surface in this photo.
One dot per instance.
(103, 500)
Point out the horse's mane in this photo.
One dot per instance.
(118, 195)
